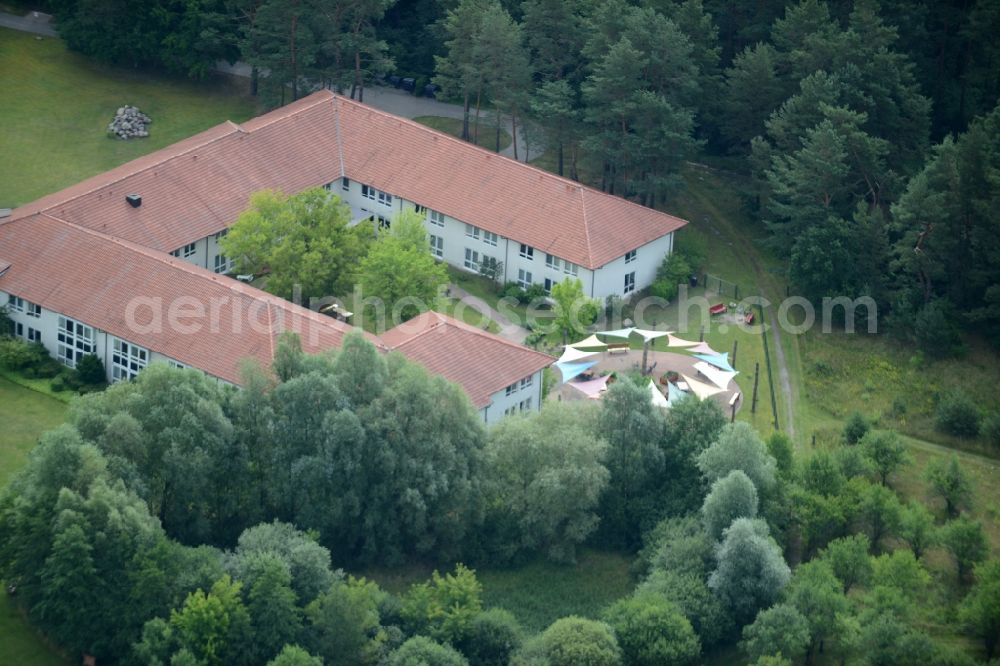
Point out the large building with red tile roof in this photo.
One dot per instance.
(127, 264)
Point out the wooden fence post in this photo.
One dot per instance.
(756, 377)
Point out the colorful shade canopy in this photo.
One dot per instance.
(674, 394)
(571, 354)
(591, 342)
(720, 378)
(721, 361)
(571, 370)
(592, 388)
(702, 348)
(701, 389)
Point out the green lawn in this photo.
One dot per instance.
(25, 415)
(453, 126)
(57, 105)
(538, 592)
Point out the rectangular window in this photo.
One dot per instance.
(630, 257)
(176, 364)
(383, 222)
(32, 309)
(490, 238)
(15, 303)
(527, 382)
(368, 192)
(437, 246)
(384, 198)
(76, 340)
(630, 282)
(345, 183)
(569, 268)
(222, 264)
(18, 329)
(527, 251)
(525, 404)
(524, 278)
(220, 234)
(548, 285)
(188, 250)
(418, 208)
(551, 261)
(34, 335)
(471, 231)
(512, 389)
(437, 219)
(127, 360)
(472, 260)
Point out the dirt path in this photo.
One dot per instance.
(726, 229)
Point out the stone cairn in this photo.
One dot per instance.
(129, 123)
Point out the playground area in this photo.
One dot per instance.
(695, 369)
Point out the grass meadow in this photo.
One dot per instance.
(57, 105)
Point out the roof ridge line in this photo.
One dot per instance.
(233, 285)
(586, 226)
(278, 116)
(340, 141)
(108, 183)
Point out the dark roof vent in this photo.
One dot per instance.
(134, 200)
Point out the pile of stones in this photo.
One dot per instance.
(129, 123)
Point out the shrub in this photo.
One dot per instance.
(422, 650)
(58, 384)
(855, 428)
(571, 641)
(652, 632)
(958, 415)
(494, 636)
(444, 607)
(673, 271)
(90, 370)
(515, 291)
(534, 292)
(991, 429)
(17, 354)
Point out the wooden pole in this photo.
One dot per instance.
(701, 336)
(732, 417)
(756, 378)
(645, 354)
(733, 363)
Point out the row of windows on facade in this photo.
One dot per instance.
(523, 406)
(18, 304)
(76, 340)
(471, 231)
(525, 383)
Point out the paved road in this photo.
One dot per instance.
(34, 22)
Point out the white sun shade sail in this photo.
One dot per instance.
(571, 370)
(571, 354)
(720, 378)
(620, 333)
(703, 348)
(659, 400)
(589, 343)
(701, 389)
(650, 335)
(673, 341)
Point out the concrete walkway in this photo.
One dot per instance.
(508, 329)
(34, 22)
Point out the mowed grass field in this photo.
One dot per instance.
(57, 105)
(25, 415)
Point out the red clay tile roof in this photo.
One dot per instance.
(199, 186)
(93, 278)
(481, 362)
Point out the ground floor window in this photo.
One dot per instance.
(524, 278)
(34, 335)
(127, 360)
(437, 246)
(630, 282)
(525, 405)
(471, 260)
(76, 340)
(222, 264)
